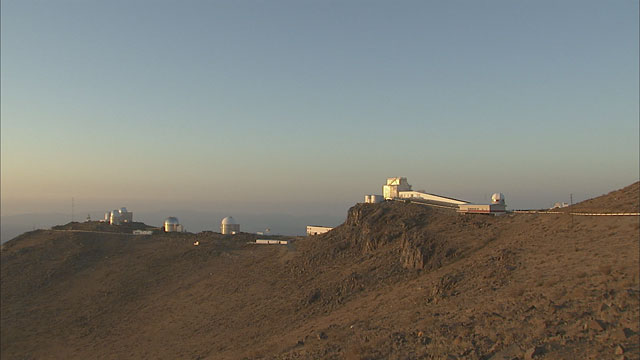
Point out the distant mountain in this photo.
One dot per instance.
(14, 225)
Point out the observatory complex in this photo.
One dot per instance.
(397, 188)
(228, 226)
(118, 217)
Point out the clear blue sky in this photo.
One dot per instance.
(305, 106)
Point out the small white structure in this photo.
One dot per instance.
(228, 226)
(497, 206)
(171, 224)
(118, 217)
(272, 242)
(142, 232)
(373, 199)
(316, 229)
(560, 205)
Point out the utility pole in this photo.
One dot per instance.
(571, 202)
(72, 207)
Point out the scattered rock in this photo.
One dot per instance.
(534, 352)
(628, 332)
(619, 350)
(508, 353)
(596, 325)
(322, 335)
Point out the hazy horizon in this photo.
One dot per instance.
(301, 108)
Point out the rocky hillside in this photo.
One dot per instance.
(395, 281)
(622, 200)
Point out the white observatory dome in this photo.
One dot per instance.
(497, 198)
(228, 221)
(229, 226)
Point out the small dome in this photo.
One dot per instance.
(123, 210)
(171, 221)
(228, 221)
(497, 198)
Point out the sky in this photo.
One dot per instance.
(303, 107)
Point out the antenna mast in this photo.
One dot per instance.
(72, 207)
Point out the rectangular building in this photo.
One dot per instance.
(316, 229)
(496, 209)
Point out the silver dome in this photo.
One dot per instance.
(171, 221)
(229, 220)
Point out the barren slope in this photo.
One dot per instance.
(626, 200)
(395, 281)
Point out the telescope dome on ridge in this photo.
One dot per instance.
(229, 225)
(497, 198)
(171, 224)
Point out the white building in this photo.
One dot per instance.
(419, 195)
(272, 242)
(373, 199)
(497, 206)
(560, 205)
(229, 226)
(393, 187)
(316, 229)
(399, 188)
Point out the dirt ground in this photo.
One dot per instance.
(395, 281)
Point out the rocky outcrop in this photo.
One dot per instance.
(405, 226)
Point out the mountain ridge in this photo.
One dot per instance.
(394, 281)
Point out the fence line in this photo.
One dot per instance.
(574, 213)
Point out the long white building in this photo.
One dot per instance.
(399, 188)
